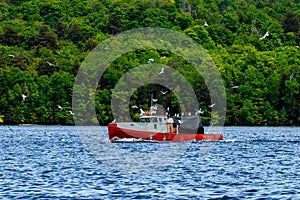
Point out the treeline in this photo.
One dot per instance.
(255, 45)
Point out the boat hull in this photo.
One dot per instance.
(116, 134)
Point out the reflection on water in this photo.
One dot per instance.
(51, 161)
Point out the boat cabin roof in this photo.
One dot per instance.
(152, 118)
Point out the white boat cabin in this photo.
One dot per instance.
(153, 119)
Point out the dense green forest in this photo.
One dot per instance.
(254, 43)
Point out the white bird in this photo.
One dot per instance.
(153, 107)
(234, 87)
(71, 112)
(150, 60)
(212, 105)
(50, 64)
(163, 57)
(114, 121)
(135, 107)
(62, 140)
(59, 107)
(24, 97)
(164, 92)
(141, 111)
(154, 100)
(266, 35)
(48, 134)
(200, 111)
(162, 71)
(205, 23)
(11, 55)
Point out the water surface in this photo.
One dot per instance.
(52, 161)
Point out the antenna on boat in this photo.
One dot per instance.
(151, 98)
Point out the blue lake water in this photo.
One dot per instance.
(52, 161)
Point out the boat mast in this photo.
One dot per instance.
(151, 96)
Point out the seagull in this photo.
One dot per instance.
(150, 60)
(263, 37)
(142, 112)
(200, 111)
(71, 112)
(163, 57)
(11, 55)
(48, 134)
(135, 107)
(212, 105)
(9, 128)
(205, 23)
(234, 87)
(162, 71)
(62, 140)
(59, 107)
(154, 100)
(114, 121)
(24, 97)
(164, 92)
(50, 64)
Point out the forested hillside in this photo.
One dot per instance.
(255, 45)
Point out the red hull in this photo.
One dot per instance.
(115, 133)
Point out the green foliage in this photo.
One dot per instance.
(43, 43)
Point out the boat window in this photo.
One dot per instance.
(147, 119)
(160, 119)
(154, 119)
(155, 126)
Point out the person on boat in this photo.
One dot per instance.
(170, 122)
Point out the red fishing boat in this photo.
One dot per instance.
(161, 129)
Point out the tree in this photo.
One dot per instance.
(291, 23)
(10, 36)
(75, 33)
(45, 38)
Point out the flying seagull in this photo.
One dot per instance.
(141, 111)
(162, 71)
(71, 112)
(212, 105)
(200, 111)
(266, 35)
(50, 64)
(154, 100)
(11, 55)
(135, 107)
(205, 24)
(59, 107)
(24, 97)
(164, 92)
(150, 60)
